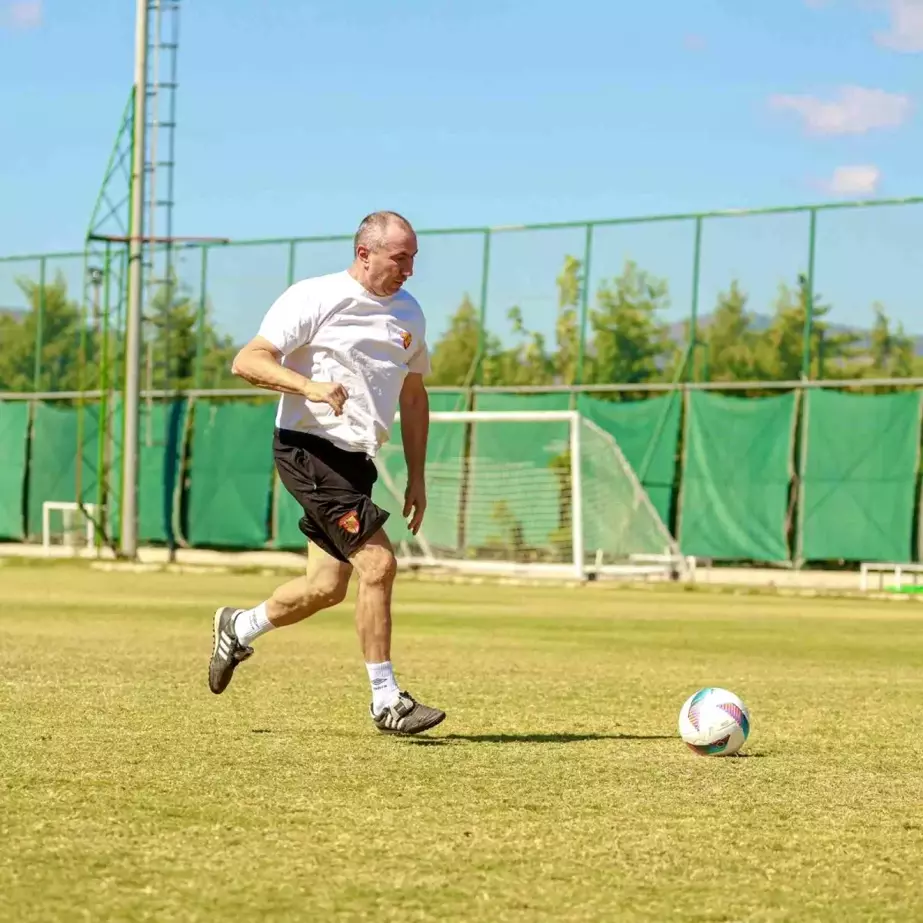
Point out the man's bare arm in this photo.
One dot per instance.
(414, 405)
(259, 363)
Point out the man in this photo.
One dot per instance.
(345, 350)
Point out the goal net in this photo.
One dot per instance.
(535, 492)
(68, 527)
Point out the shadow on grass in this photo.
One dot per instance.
(542, 738)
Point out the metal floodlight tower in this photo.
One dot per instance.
(129, 536)
(149, 270)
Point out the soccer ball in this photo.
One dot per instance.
(714, 722)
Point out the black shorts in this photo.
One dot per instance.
(333, 487)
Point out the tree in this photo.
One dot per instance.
(455, 354)
(567, 327)
(71, 350)
(172, 347)
(780, 349)
(729, 338)
(629, 342)
(891, 354)
(59, 357)
(525, 363)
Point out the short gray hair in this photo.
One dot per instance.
(372, 229)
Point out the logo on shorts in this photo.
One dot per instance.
(349, 522)
(406, 338)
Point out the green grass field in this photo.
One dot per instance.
(556, 790)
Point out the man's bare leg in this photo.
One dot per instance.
(392, 710)
(324, 585)
(376, 566)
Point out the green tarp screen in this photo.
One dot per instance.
(861, 457)
(288, 536)
(648, 435)
(14, 432)
(737, 471)
(53, 466)
(161, 442)
(231, 474)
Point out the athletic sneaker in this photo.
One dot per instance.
(228, 652)
(406, 716)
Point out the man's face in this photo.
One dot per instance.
(390, 265)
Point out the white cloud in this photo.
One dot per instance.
(855, 111)
(694, 42)
(21, 15)
(905, 32)
(905, 27)
(856, 180)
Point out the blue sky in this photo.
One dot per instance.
(297, 119)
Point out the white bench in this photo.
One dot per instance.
(897, 569)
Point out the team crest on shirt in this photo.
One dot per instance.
(349, 522)
(406, 338)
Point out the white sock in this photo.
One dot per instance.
(252, 623)
(384, 686)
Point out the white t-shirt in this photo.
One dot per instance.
(329, 328)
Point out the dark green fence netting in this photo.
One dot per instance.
(162, 431)
(54, 470)
(647, 432)
(737, 471)
(14, 435)
(861, 461)
(230, 474)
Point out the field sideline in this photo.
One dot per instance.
(556, 790)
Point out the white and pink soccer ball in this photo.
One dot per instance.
(714, 722)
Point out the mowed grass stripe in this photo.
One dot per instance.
(556, 790)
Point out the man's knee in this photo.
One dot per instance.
(376, 564)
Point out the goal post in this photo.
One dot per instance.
(532, 492)
(68, 526)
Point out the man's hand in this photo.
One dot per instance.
(415, 502)
(327, 392)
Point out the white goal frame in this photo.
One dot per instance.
(671, 563)
(87, 510)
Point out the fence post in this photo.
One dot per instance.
(39, 326)
(200, 331)
(482, 314)
(809, 299)
(584, 306)
(291, 263)
(694, 312)
(103, 429)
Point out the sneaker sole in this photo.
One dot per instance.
(419, 730)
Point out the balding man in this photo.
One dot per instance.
(345, 350)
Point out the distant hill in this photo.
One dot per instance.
(15, 313)
(761, 322)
